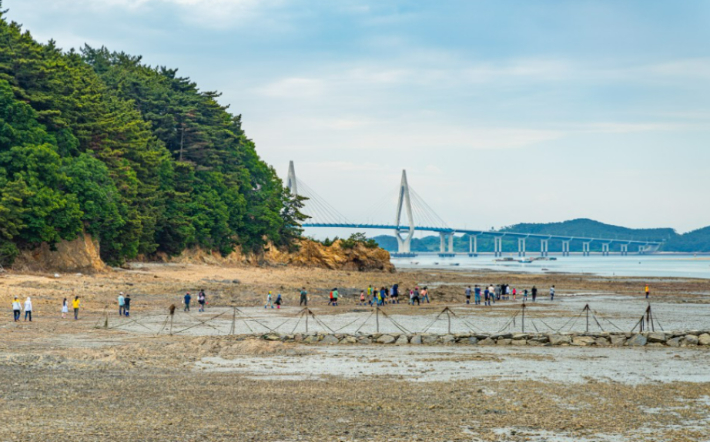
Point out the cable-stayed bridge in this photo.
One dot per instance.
(414, 214)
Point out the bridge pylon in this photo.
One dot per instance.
(291, 179)
(404, 203)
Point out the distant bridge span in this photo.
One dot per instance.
(446, 234)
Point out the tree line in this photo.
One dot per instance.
(137, 156)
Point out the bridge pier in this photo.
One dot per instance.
(498, 246)
(642, 250)
(544, 247)
(472, 246)
(565, 248)
(624, 250)
(585, 248)
(521, 247)
(605, 249)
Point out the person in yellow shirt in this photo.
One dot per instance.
(75, 304)
(648, 291)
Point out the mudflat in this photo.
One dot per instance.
(106, 377)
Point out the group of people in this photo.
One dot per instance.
(385, 295)
(279, 300)
(201, 300)
(17, 308)
(503, 292)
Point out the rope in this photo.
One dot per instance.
(200, 323)
(510, 321)
(594, 312)
(300, 317)
(364, 322)
(401, 328)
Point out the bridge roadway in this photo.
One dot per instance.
(448, 233)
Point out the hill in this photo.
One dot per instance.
(140, 158)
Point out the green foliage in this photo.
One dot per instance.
(137, 156)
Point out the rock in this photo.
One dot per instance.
(657, 337)
(311, 339)
(583, 341)
(448, 339)
(386, 339)
(637, 340)
(601, 342)
(329, 339)
(487, 341)
(519, 342)
(471, 341)
(402, 340)
(272, 337)
(364, 340)
(674, 342)
(618, 340)
(430, 339)
(349, 340)
(503, 335)
(539, 339)
(704, 339)
(416, 340)
(533, 343)
(503, 341)
(560, 339)
(690, 340)
(517, 336)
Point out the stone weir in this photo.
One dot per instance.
(691, 338)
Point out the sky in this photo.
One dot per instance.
(500, 111)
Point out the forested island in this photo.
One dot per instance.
(136, 156)
(691, 242)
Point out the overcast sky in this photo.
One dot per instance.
(501, 111)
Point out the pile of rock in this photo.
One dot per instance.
(691, 338)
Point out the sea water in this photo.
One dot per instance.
(681, 266)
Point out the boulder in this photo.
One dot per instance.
(503, 341)
(534, 343)
(386, 339)
(402, 340)
(471, 341)
(540, 339)
(416, 340)
(448, 339)
(272, 337)
(329, 339)
(364, 340)
(657, 337)
(601, 342)
(560, 339)
(519, 342)
(704, 339)
(674, 342)
(487, 341)
(637, 340)
(618, 340)
(349, 340)
(311, 339)
(517, 336)
(690, 340)
(430, 339)
(583, 341)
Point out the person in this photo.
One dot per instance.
(552, 293)
(330, 298)
(647, 290)
(121, 305)
(507, 292)
(477, 295)
(269, 302)
(515, 292)
(16, 308)
(304, 297)
(411, 296)
(186, 300)
(202, 300)
(468, 295)
(362, 297)
(369, 290)
(486, 296)
(395, 294)
(416, 296)
(278, 302)
(127, 305)
(525, 295)
(335, 296)
(492, 294)
(65, 308)
(75, 305)
(534, 293)
(28, 309)
(425, 295)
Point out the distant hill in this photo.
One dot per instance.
(696, 241)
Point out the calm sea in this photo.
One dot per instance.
(684, 266)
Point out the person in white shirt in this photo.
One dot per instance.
(28, 309)
(121, 304)
(16, 308)
(65, 308)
